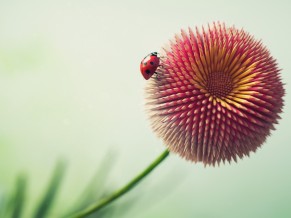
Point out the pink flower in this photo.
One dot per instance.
(217, 96)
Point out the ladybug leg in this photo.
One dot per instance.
(157, 76)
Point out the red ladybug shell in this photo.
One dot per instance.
(149, 65)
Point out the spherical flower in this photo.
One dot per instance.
(217, 95)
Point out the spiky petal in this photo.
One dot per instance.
(217, 96)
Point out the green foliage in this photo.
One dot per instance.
(12, 205)
(42, 210)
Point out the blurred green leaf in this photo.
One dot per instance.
(47, 201)
(3, 203)
(13, 205)
(19, 198)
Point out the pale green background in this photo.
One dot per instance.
(70, 87)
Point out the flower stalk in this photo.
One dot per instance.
(118, 193)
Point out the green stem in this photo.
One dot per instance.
(104, 202)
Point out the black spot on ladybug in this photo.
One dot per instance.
(152, 63)
(148, 71)
(145, 63)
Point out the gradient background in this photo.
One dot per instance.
(70, 88)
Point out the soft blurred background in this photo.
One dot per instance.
(71, 90)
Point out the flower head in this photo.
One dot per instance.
(217, 95)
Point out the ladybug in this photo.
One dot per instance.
(149, 65)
